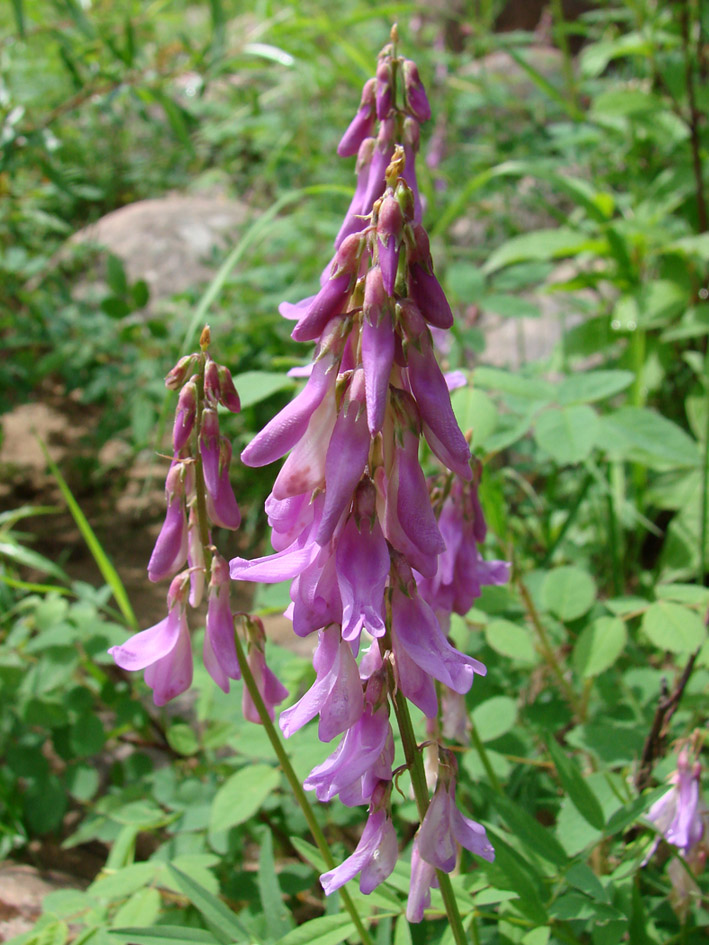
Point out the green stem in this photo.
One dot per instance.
(547, 651)
(569, 519)
(296, 787)
(705, 483)
(418, 780)
(613, 537)
(561, 38)
(482, 754)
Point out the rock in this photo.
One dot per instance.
(167, 240)
(22, 889)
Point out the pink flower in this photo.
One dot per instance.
(170, 551)
(219, 647)
(374, 857)
(336, 693)
(163, 651)
(423, 877)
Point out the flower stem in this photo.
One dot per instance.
(547, 652)
(418, 780)
(297, 788)
(483, 755)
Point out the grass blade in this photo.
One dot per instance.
(105, 566)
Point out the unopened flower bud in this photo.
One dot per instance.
(211, 382)
(416, 97)
(384, 93)
(184, 415)
(184, 367)
(228, 396)
(389, 235)
(362, 124)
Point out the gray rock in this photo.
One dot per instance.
(167, 241)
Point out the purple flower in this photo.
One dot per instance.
(315, 596)
(374, 857)
(429, 387)
(170, 551)
(362, 561)
(378, 347)
(353, 222)
(361, 125)
(416, 97)
(304, 470)
(283, 432)
(462, 571)
(219, 647)
(286, 563)
(336, 693)
(389, 234)
(185, 415)
(346, 457)
(444, 827)
(423, 877)
(384, 90)
(419, 634)
(272, 691)
(680, 815)
(356, 755)
(163, 651)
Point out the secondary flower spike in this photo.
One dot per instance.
(372, 559)
(199, 496)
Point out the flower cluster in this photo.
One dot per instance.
(199, 495)
(377, 565)
(682, 818)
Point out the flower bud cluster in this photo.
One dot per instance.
(199, 496)
(374, 571)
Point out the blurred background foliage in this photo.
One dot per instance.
(565, 183)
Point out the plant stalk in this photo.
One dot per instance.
(297, 788)
(547, 651)
(418, 780)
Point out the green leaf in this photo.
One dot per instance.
(589, 386)
(683, 593)
(124, 882)
(310, 854)
(494, 717)
(630, 813)
(505, 382)
(599, 646)
(512, 871)
(27, 558)
(325, 930)
(575, 785)
(240, 798)
(143, 907)
(673, 627)
(182, 739)
(640, 434)
(255, 386)
(510, 640)
(165, 934)
(475, 411)
(567, 434)
(568, 592)
(227, 926)
(538, 245)
(402, 932)
(278, 919)
(536, 838)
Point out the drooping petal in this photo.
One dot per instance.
(362, 561)
(423, 877)
(171, 675)
(149, 645)
(470, 834)
(170, 551)
(287, 427)
(436, 843)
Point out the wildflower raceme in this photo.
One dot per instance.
(378, 555)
